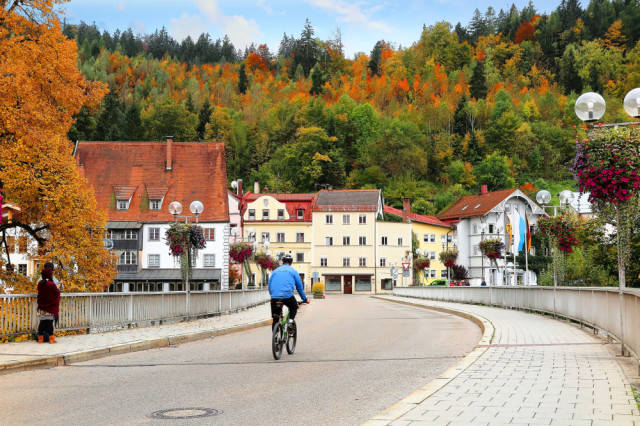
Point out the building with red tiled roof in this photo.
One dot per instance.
(493, 215)
(134, 182)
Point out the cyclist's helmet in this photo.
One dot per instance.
(287, 258)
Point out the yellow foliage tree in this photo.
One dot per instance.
(40, 91)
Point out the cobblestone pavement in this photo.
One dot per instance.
(527, 370)
(30, 354)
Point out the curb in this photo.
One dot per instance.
(412, 400)
(141, 345)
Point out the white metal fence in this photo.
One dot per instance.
(597, 307)
(103, 311)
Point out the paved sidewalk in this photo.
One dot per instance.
(528, 369)
(70, 349)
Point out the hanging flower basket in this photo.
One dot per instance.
(492, 248)
(561, 230)
(180, 236)
(239, 252)
(421, 263)
(448, 258)
(266, 262)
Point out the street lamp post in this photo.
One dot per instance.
(175, 208)
(590, 107)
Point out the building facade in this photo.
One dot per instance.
(134, 182)
(490, 215)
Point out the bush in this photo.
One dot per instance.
(318, 288)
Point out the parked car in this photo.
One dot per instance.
(439, 282)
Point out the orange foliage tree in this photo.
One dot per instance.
(40, 91)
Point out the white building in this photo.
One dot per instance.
(134, 182)
(484, 216)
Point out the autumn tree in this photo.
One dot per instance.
(40, 91)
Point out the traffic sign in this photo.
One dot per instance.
(405, 266)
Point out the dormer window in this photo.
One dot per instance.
(154, 204)
(252, 214)
(123, 205)
(300, 214)
(265, 214)
(477, 206)
(464, 208)
(280, 214)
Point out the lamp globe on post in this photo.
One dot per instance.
(631, 103)
(590, 107)
(175, 208)
(196, 207)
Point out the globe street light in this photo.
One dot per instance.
(590, 107)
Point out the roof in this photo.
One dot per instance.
(415, 217)
(124, 225)
(171, 274)
(364, 200)
(475, 205)
(136, 171)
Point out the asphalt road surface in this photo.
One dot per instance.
(356, 356)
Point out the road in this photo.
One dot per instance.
(356, 356)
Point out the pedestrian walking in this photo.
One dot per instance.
(48, 304)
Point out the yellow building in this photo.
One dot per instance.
(278, 224)
(353, 249)
(434, 236)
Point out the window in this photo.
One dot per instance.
(300, 257)
(265, 214)
(127, 234)
(210, 234)
(154, 204)
(425, 238)
(363, 284)
(265, 237)
(123, 204)
(362, 219)
(280, 214)
(399, 241)
(475, 228)
(252, 214)
(346, 241)
(251, 237)
(300, 237)
(323, 261)
(328, 219)
(491, 226)
(300, 214)
(443, 238)
(346, 261)
(383, 262)
(433, 273)
(328, 241)
(387, 284)
(385, 241)
(333, 283)
(476, 250)
(362, 261)
(449, 238)
(433, 238)
(346, 219)
(128, 258)
(154, 260)
(280, 237)
(443, 273)
(22, 244)
(22, 269)
(194, 261)
(433, 255)
(209, 260)
(362, 241)
(154, 234)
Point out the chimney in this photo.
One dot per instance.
(256, 187)
(239, 188)
(406, 209)
(169, 153)
(483, 190)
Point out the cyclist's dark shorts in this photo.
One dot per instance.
(276, 307)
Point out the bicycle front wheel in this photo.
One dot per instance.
(292, 338)
(276, 343)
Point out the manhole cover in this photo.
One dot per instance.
(185, 413)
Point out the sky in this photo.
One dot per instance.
(361, 23)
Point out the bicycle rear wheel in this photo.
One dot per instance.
(292, 338)
(276, 343)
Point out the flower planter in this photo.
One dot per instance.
(318, 296)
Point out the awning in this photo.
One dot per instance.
(200, 274)
(124, 225)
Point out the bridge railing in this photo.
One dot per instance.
(598, 307)
(105, 311)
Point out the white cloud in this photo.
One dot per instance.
(120, 6)
(264, 6)
(352, 13)
(187, 25)
(240, 30)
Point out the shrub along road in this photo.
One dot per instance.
(355, 357)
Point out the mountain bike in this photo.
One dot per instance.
(284, 333)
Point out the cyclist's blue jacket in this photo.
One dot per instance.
(282, 282)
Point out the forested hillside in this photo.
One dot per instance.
(486, 103)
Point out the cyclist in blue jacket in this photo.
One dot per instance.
(281, 288)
